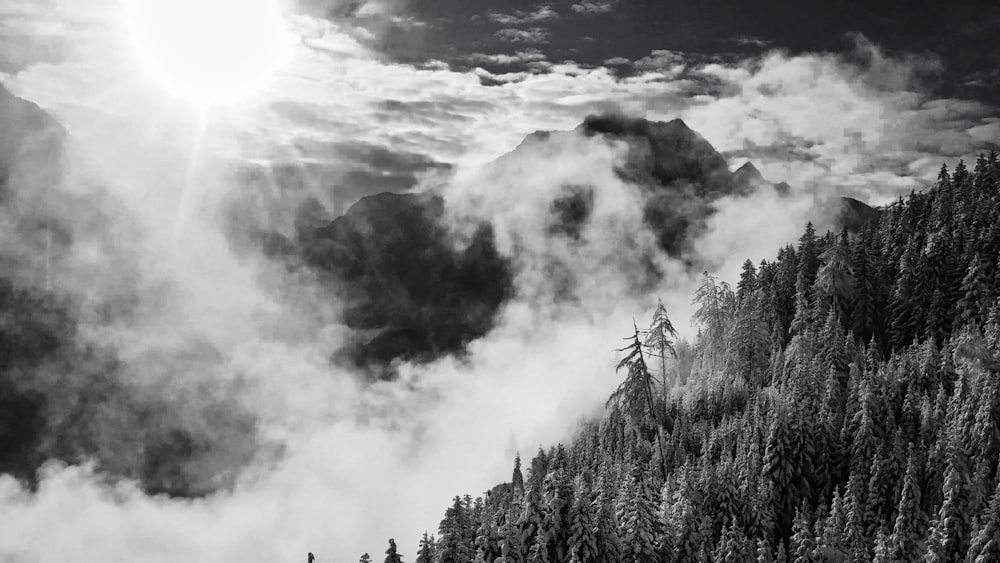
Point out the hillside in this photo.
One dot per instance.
(840, 404)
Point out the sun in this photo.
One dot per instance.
(209, 51)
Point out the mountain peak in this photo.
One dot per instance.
(678, 123)
(748, 169)
(747, 177)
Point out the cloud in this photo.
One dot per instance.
(349, 8)
(750, 41)
(356, 463)
(544, 13)
(529, 35)
(530, 55)
(615, 61)
(594, 7)
(661, 59)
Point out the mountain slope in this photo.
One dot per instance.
(843, 406)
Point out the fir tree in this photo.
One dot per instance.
(425, 553)
(391, 556)
(634, 396)
(764, 552)
(660, 339)
(517, 479)
(975, 290)
(639, 522)
(803, 543)
(716, 305)
(985, 546)
(583, 523)
(906, 533)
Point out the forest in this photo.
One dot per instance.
(840, 404)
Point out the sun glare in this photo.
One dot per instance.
(209, 51)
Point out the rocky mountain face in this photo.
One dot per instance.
(411, 294)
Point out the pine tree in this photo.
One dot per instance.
(882, 547)
(609, 546)
(975, 290)
(716, 305)
(855, 530)
(781, 556)
(906, 533)
(764, 552)
(733, 547)
(778, 471)
(634, 396)
(426, 554)
(748, 343)
(836, 279)
(660, 338)
(830, 544)
(391, 556)
(517, 479)
(808, 253)
(555, 526)
(803, 543)
(454, 531)
(639, 522)
(949, 535)
(985, 546)
(530, 521)
(583, 522)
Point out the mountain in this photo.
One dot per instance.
(403, 277)
(668, 153)
(411, 294)
(748, 177)
(855, 215)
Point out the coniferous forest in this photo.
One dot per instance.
(842, 403)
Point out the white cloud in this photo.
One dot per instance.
(593, 7)
(544, 13)
(530, 55)
(529, 35)
(662, 59)
(618, 61)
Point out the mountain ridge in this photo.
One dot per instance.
(370, 259)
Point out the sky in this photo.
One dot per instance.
(349, 99)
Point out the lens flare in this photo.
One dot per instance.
(209, 51)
